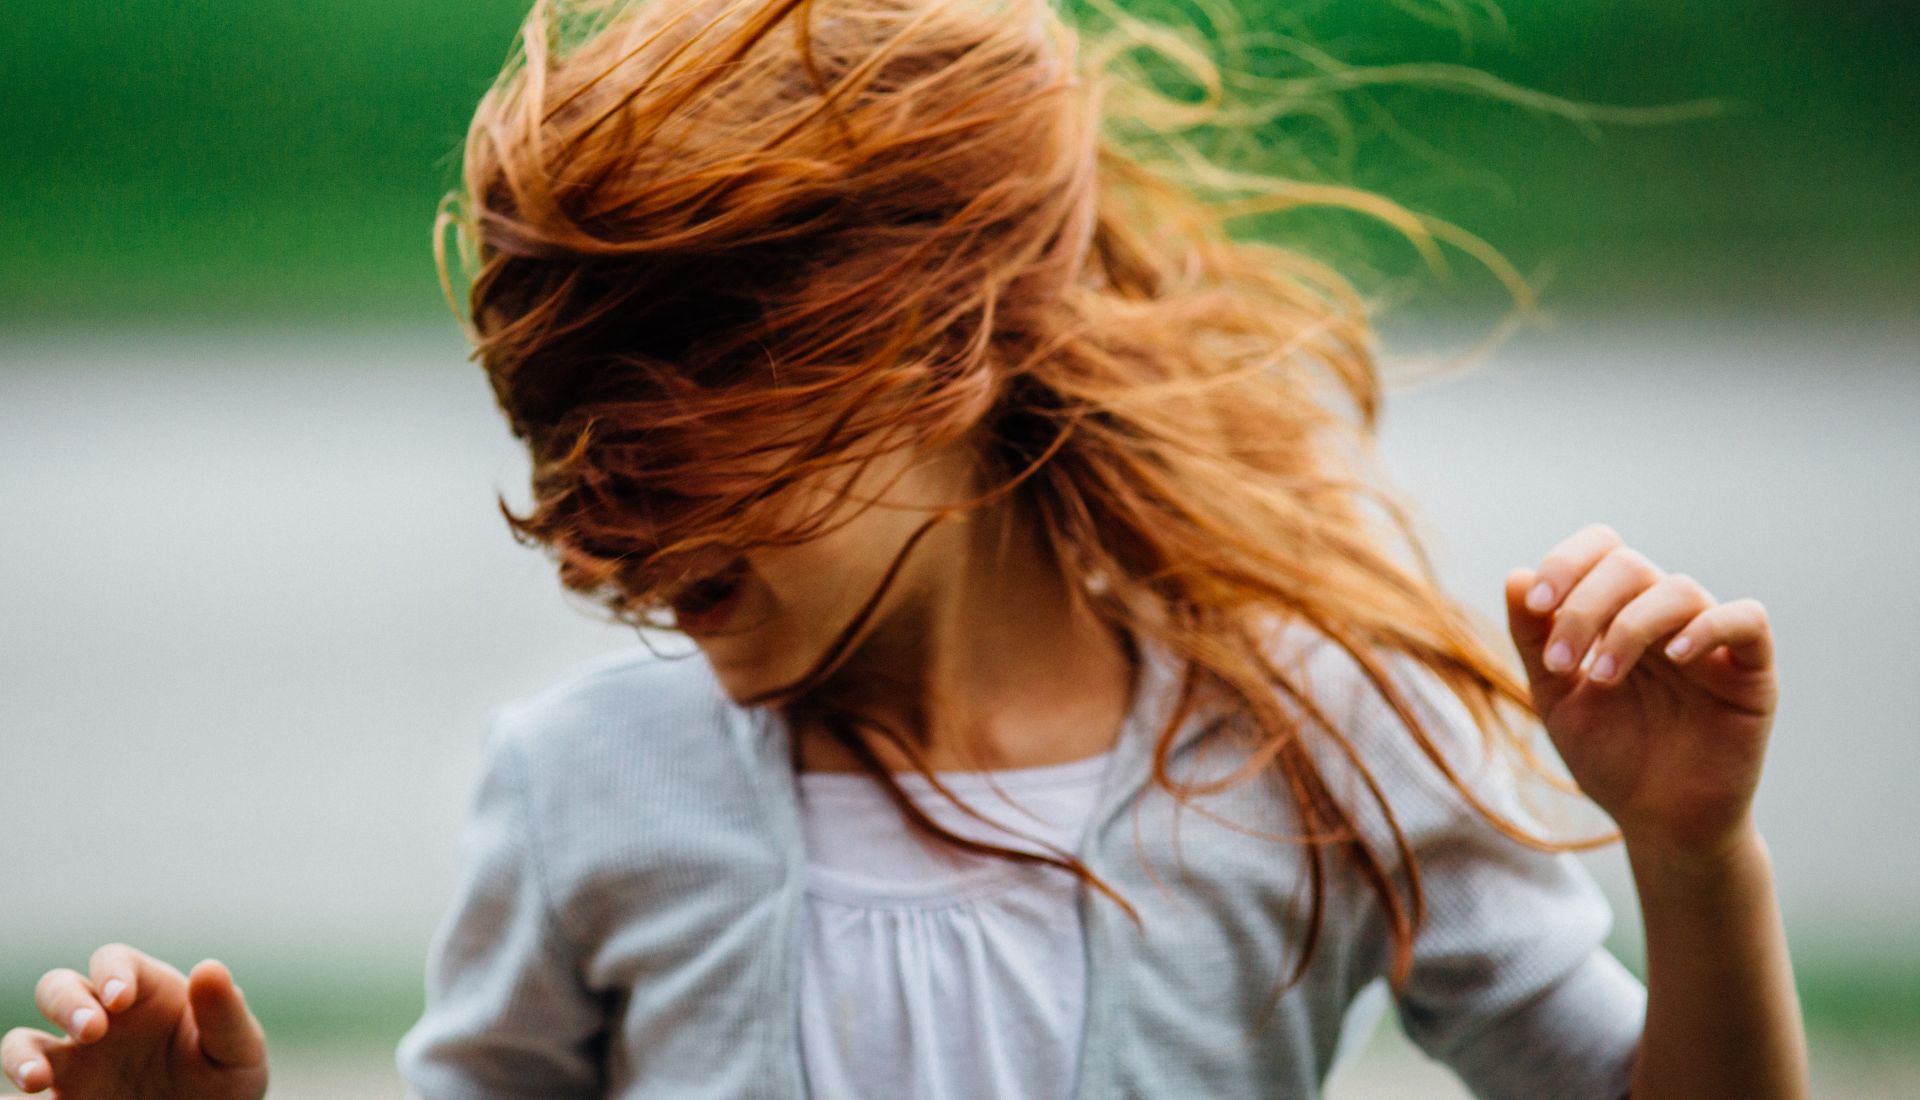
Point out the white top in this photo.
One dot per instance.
(932, 972)
(627, 922)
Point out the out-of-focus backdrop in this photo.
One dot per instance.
(255, 598)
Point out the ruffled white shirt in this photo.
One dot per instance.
(935, 973)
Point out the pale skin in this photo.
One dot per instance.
(1670, 746)
(1027, 676)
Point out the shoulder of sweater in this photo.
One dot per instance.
(1340, 686)
(1344, 693)
(639, 793)
(628, 703)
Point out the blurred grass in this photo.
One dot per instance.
(1863, 1002)
(225, 159)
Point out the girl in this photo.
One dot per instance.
(1002, 494)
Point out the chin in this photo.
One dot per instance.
(744, 672)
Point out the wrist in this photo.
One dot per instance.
(1734, 855)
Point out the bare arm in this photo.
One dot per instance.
(1666, 729)
(1723, 1019)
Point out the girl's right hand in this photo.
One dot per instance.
(140, 1030)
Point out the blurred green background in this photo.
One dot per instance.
(220, 165)
(225, 159)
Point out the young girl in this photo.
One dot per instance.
(1002, 494)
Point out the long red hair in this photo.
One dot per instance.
(701, 230)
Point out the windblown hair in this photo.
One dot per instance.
(704, 232)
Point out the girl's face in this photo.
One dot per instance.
(789, 602)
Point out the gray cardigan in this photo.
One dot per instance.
(625, 925)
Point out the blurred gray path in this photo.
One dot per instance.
(255, 600)
(1391, 1069)
(1765, 458)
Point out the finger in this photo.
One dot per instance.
(28, 1056)
(1569, 560)
(229, 1034)
(65, 997)
(1586, 611)
(1654, 614)
(1740, 625)
(138, 974)
(1529, 629)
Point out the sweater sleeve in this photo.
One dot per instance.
(507, 1014)
(1511, 985)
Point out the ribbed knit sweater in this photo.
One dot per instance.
(626, 920)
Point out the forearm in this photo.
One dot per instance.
(1723, 1019)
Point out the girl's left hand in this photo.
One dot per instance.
(1670, 746)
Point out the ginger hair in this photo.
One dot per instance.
(698, 231)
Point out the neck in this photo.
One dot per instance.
(991, 659)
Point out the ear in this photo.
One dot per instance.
(978, 394)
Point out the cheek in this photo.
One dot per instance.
(804, 582)
(823, 581)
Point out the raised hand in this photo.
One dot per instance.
(1666, 726)
(138, 1029)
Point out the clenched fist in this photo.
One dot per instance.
(137, 1029)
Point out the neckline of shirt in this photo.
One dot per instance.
(1071, 773)
(1049, 789)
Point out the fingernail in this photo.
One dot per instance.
(20, 1075)
(80, 1018)
(1559, 656)
(1603, 668)
(1541, 597)
(1679, 647)
(111, 990)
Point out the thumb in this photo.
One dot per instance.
(229, 1035)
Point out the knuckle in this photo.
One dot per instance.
(1630, 560)
(49, 984)
(1683, 582)
(1695, 593)
(1629, 629)
(18, 1044)
(1603, 532)
(58, 989)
